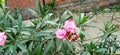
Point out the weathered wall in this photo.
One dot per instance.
(20, 3)
(88, 5)
(61, 3)
(84, 5)
(11, 4)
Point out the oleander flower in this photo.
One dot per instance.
(70, 26)
(61, 34)
(3, 38)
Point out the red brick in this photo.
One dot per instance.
(20, 4)
(102, 3)
(62, 1)
(29, 3)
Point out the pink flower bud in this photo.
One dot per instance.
(3, 38)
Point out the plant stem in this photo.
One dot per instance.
(43, 2)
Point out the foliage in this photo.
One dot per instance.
(51, 5)
(106, 45)
(1, 4)
(111, 9)
(40, 39)
(116, 8)
(44, 10)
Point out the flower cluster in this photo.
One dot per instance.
(68, 32)
(3, 38)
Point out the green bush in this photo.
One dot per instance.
(40, 38)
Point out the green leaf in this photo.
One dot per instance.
(3, 47)
(42, 10)
(81, 17)
(2, 1)
(38, 25)
(29, 53)
(1, 21)
(12, 38)
(63, 17)
(1, 14)
(34, 13)
(13, 30)
(69, 12)
(101, 50)
(35, 21)
(90, 26)
(22, 47)
(25, 33)
(47, 48)
(38, 51)
(51, 22)
(15, 49)
(47, 17)
(12, 19)
(20, 22)
(39, 48)
(31, 46)
(39, 34)
(70, 46)
(22, 41)
(106, 35)
(59, 45)
(91, 47)
(49, 37)
(43, 33)
(85, 19)
(7, 51)
(30, 29)
(11, 47)
(82, 36)
(5, 19)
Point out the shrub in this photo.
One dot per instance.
(52, 34)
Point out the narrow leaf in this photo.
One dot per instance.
(101, 50)
(63, 17)
(22, 47)
(34, 13)
(48, 47)
(20, 22)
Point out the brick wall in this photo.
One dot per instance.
(61, 3)
(20, 3)
(11, 4)
(24, 4)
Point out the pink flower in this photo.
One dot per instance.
(61, 34)
(70, 26)
(3, 38)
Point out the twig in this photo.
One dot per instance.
(113, 17)
(93, 38)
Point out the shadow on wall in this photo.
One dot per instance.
(26, 13)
